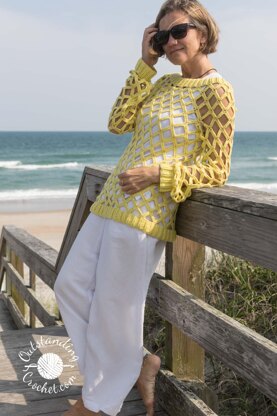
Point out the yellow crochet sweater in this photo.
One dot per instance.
(185, 126)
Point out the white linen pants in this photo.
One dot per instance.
(101, 291)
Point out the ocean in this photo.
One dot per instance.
(41, 171)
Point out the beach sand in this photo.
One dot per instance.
(49, 226)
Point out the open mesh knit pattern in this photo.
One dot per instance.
(185, 126)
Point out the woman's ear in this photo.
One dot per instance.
(203, 41)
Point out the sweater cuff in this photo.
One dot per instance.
(144, 71)
(166, 177)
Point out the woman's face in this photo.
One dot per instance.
(181, 51)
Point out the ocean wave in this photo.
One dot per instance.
(62, 194)
(9, 164)
(16, 164)
(36, 193)
(272, 158)
(266, 187)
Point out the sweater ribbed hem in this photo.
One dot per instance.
(144, 71)
(141, 223)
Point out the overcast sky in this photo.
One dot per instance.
(63, 62)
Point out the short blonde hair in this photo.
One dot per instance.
(199, 16)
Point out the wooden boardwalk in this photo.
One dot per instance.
(19, 382)
(239, 222)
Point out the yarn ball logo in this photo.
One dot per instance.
(49, 365)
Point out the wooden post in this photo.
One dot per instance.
(8, 282)
(184, 265)
(19, 266)
(3, 253)
(32, 284)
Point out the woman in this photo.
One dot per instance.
(183, 128)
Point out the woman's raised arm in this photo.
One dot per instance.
(137, 87)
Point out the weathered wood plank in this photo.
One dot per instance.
(32, 284)
(185, 358)
(3, 252)
(19, 267)
(14, 311)
(97, 173)
(89, 188)
(238, 347)
(6, 321)
(177, 397)
(78, 214)
(249, 201)
(168, 260)
(17, 398)
(36, 254)
(240, 234)
(12, 336)
(95, 181)
(54, 404)
(28, 295)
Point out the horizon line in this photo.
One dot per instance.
(107, 131)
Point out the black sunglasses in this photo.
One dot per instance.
(177, 32)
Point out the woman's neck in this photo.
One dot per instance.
(196, 68)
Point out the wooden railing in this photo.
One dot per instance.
(20, 251)
(237, 221)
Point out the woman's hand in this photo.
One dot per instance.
(149, 56)
(136, 179)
